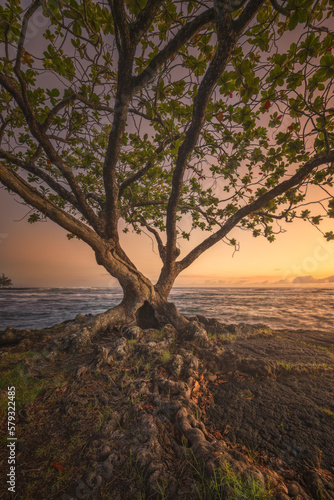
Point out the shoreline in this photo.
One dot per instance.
(292, 309)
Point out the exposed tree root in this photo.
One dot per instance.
(149, 386)
(165, 415)
(83, 330)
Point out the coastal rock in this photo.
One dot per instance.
(111, 424)
(211, 324)
(282, 488)
(254, 366)
(228, 362)
(121, 349)
(133, 332)
(320, 488)
(76, 341)
(200, 337)
(193, 363)
(103, 452)
(106, 470)
(94, 481)
(138, 416)
(176, 365)
(294, 489)
(254, 475)
(80, 318)
(169, 330)
(11, 336)
(189, 330)
(103, 356)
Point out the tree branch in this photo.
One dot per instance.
(186, 32)
(149, 203)
(31, 196)
(115, 263)
(226, 41)
(29, 167)
(37, 131)
(279, 8)
(161, 246)
(108, 109)
(55, 110)
(144, 20)
(122, 30)
(138, 175)
(123, 97)
(20, 49)
(284, 186)
(247, 14)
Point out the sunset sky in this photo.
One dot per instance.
(40, 255)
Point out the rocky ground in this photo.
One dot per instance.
(213, 412)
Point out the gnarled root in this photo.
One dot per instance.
(144, 315)
(80, 334)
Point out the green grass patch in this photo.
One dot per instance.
(27, 387)
(225, 484)
(158, 335)
(165, 356)
(302, 366)
(10, 360)
(328, 412)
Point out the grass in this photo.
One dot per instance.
(165, 356)
(247, 394)
(131, 473)
(224, 483)
(56, 448)
(213, 335)
(302, 366)
(328, 349)
(142, 367)
(27, 387)
(158, 335)
(253, 455)
(65, 454)
(132, 343)
(328, 412)
(234, 336)
(102, 417)
(265, 331)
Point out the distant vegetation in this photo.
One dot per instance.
(5, 282)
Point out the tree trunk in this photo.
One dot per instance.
(143, 304)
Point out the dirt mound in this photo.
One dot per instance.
(165, 414)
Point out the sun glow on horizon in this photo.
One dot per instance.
(41, 255)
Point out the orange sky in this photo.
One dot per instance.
(40, 255)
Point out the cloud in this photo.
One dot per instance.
(304, 279)
(310, 279)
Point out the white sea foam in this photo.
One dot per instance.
(292, 308)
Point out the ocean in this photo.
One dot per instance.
(279, 308)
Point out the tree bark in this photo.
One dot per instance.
(143, 303)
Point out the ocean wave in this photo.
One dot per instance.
(281, 308)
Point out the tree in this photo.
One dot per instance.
(166, 117)
(5, 282)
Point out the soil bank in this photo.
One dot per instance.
(214, 411)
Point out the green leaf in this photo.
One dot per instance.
(293, 21)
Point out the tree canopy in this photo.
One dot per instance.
(5, 282)
(166, 117)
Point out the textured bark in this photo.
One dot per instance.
(141, 307)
